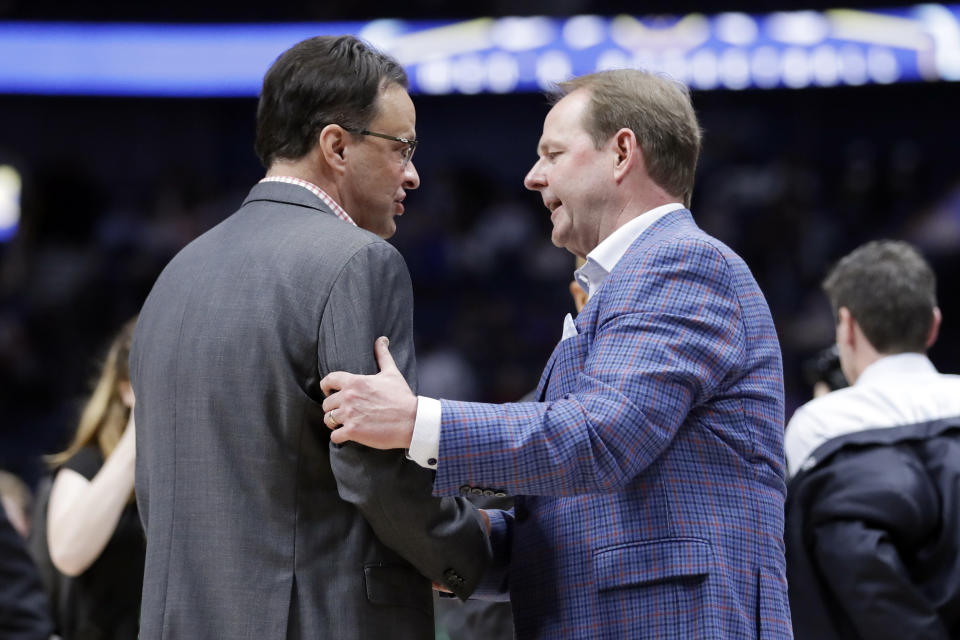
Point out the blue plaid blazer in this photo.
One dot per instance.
(650, 479)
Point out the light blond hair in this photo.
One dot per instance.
(105, 416)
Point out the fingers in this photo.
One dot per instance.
(330, 420)
(335, 381)
(344, 391)
(339, 436)
(331, 402)
(382, 350)
(339, 433)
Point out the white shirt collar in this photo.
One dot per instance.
(898, 364)
(606, 255)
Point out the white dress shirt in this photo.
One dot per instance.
(425, 442)
(894, 391)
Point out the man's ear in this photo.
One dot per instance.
(846, 333)
(331, 144)
(934, 327)
(628, 153)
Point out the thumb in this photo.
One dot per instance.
(382, 350)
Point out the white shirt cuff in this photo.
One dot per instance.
(425, 442)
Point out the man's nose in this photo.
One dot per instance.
(535, 179)
(411, 179)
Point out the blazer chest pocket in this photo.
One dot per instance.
(652, 561)
(398, 585)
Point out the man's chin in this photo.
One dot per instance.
(558, 239)
(388, 230)
(563, 243)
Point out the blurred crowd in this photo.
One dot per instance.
(113, 188)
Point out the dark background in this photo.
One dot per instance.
(113, 187)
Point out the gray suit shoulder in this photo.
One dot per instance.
(312, 231)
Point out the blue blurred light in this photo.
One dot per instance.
(729, 50)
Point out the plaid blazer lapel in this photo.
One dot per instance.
(545, 376)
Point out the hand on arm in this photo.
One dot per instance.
(443, 538)
(83, 514)
(486, 522)
(378, 411)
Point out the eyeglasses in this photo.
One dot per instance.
(407, 152)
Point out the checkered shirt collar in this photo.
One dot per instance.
(317, 191)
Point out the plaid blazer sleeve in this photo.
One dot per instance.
(659, 338)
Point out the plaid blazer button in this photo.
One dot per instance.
(465, 490)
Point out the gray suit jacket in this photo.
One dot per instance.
(256, 526)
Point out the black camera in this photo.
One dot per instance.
(824, 366)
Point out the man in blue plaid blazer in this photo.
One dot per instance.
(649, 478)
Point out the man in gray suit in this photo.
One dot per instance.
(256, 526)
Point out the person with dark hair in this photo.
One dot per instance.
(884, 301)
(649, 475)
(873, 511)
(256, 526)
(24, 612)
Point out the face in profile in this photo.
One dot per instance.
(574, 178)
(379, 175)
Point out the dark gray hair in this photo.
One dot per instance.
(320, 81)
(891, 292)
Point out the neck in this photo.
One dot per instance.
(634, 208)
(864, 354)
(305, 169)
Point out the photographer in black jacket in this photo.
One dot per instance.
(873, 502)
